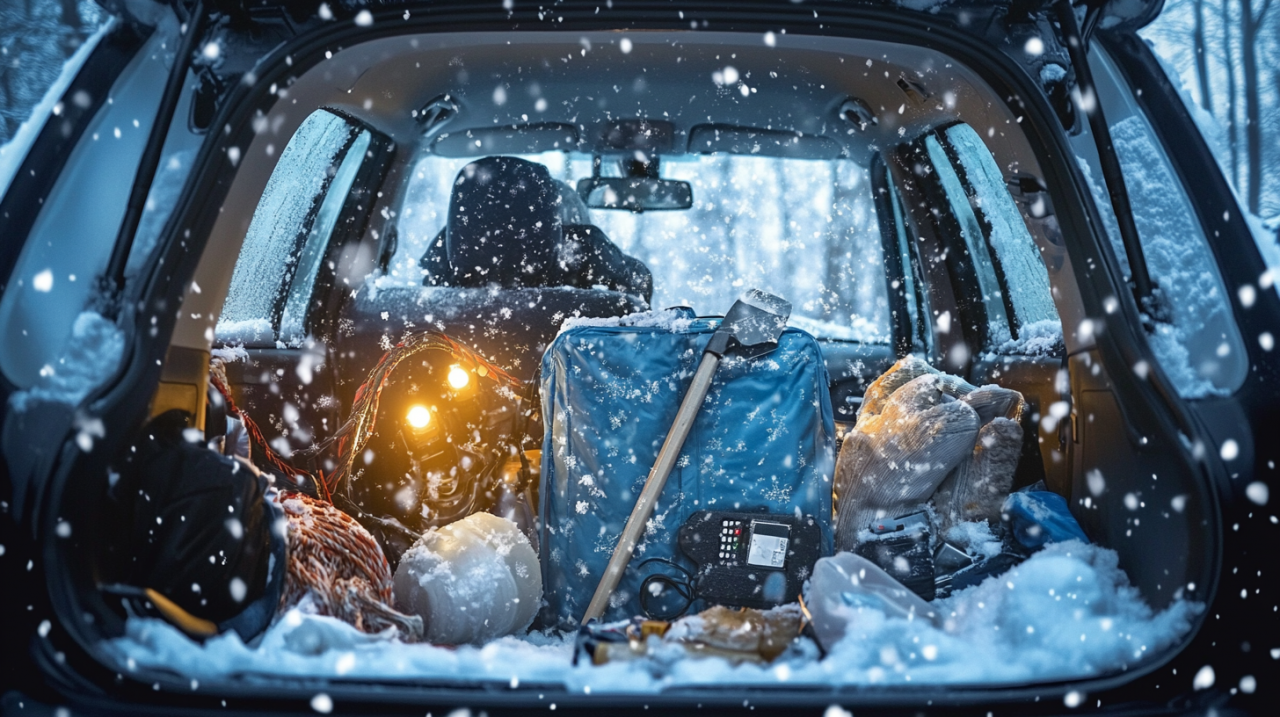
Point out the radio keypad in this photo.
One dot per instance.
(730, 539)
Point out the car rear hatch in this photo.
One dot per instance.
(991, 36)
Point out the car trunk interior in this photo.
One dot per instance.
(1088, 431)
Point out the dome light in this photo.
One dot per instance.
(458, 377)
(419, 418)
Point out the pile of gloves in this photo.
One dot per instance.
(922, 434)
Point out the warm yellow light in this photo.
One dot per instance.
(419, 417)
(458, 377)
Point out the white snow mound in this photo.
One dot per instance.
(668, 319)
(1067, 612)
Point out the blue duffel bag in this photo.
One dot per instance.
(763, 441)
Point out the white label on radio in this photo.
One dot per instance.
(767, 551)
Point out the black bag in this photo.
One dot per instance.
(199, 528)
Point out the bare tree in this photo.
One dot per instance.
(1228, 61)
(1202, 61)
(70, 14)
(1250, 24)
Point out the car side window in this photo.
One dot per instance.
(285, 245)
(1015, 254)
(1196, 339)
(976, 241)
(292, 323)
(916, 298)
(958, 199)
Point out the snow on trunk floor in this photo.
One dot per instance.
(1066, 612)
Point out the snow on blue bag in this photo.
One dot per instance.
(763, 441)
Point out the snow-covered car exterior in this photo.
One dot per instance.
(1040, 210)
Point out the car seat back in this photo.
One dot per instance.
(503, 225)
(511, 224)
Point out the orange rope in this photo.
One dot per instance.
(255, 433)
(338, 563)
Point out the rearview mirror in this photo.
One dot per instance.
(635, 193)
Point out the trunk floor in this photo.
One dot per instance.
(1066, 612)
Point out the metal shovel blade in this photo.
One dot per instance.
(756, 318)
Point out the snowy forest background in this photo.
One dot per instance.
(1226, 53)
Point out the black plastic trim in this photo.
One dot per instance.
(902, 322)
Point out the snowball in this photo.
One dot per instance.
(1204, 678)
(1097, 484)
(944, 322)
(471, 581)
(238, 589)
(1247, 295)
(1258, 492)
(43, 281)
(726, 76)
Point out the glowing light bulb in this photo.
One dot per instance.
(458, 377)
(419, 418)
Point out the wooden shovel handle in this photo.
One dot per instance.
(653, 485)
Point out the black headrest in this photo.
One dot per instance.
(512, 225)
(504, 225)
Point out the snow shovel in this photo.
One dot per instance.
(754, 322)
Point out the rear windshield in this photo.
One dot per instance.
(804, 229)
